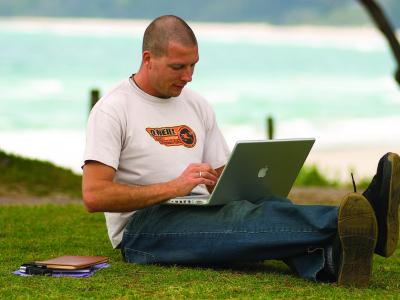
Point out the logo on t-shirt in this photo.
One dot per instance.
(181, 135)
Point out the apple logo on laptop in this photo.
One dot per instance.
(262, 172)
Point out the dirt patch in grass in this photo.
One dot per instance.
(30, 200)
(309, 195)
(318, 195)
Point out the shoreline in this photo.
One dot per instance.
(366, 36)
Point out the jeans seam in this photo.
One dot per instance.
(141, 252)
(314, 249)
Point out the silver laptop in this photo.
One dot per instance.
(255, 169)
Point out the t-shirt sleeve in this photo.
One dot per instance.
(103, 138)
(216, 151)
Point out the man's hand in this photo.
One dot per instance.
(194, 175)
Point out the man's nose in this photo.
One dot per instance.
(187, 74)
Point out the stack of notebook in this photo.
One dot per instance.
(73, 266)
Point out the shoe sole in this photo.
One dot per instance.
(358, 230)
(392, 220)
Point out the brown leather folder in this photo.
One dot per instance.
(72, 262)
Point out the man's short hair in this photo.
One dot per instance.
(165, 29)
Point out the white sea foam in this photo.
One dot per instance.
(361, 38)
(364, 132)
(37, 87)
(45, 86)
(219, 95)
(62, 147)
(319, 81)
(333, 135)
(75, 27)
(344, 83)
(339, 146)
(319, 88)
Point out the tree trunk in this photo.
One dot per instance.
(380, 20)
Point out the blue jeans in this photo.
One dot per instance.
(240, 231)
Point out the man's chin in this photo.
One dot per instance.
(169, 94)
(175, 92)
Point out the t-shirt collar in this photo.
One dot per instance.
(148, 97)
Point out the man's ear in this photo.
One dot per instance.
(146, 58)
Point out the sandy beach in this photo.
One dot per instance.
(339, 163)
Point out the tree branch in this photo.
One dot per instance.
(380, 20)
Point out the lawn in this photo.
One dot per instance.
(38, 232)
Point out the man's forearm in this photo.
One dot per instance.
(108, 196)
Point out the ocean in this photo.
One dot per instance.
(332, 84)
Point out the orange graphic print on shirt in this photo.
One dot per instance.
(180, 135)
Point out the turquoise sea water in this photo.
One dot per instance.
(338, 92)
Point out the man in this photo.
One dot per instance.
(151, 139)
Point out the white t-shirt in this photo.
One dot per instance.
(151, 140)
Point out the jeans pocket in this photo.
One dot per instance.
(138, 257)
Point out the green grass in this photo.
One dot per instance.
(38, 232)
(312, 176)
(31, 177)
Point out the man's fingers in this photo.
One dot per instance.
(204, 181)
(202, 168)
(202, 174)
(209, 176)
(212, 171)
(208, 179)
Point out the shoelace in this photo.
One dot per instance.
(354, 183)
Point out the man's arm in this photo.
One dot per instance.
(100, 193)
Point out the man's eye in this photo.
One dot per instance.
(176, 67)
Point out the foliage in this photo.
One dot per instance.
(311, 176)
(39, 232)
(19, 175)
(363, 183)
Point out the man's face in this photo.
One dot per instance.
(169, 74)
